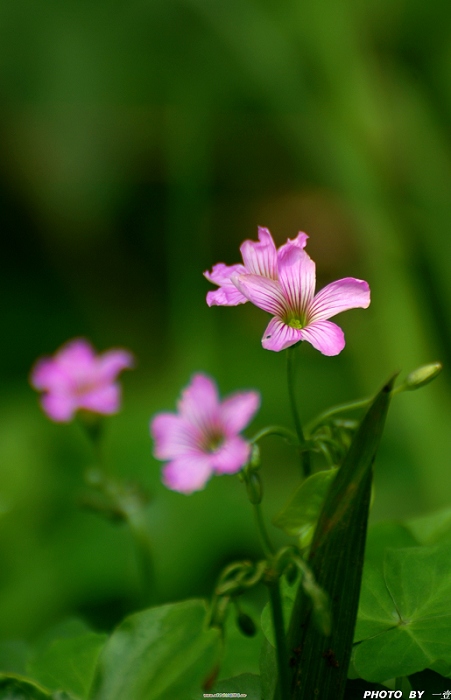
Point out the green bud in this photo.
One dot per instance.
(246, 624)
(422, 376)
(254, 461)
(254, 488)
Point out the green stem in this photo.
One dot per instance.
(275, 430)
(341, 408)
(265, 541)
(275, 600)
(305, 456)
(139, 530)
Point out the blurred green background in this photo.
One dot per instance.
(141, 143)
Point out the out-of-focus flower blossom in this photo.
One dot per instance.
(76, 378)
(203, 437)
(282, 282)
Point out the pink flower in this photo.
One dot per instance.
(75, 378)
(282, 282)
(203, 437)
(258, 258)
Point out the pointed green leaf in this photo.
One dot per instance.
(68, 663)
(300, 515)
(336, 559)
(411, 620)
(158, 654)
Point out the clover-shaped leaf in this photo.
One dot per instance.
(405, 614)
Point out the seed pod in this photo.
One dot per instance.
(246, 624)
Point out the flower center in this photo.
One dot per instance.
(214, 441)
(294, 320)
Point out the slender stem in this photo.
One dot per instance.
(275, 600)
(341, 408)
(265, 541)
(275, 430)
(345, 407)
(139, 530)
(305, 456)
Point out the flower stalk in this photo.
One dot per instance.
(305, 456)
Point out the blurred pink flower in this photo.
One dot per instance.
(76, 378)
(282, 282)
(203, 437)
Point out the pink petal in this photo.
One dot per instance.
(325, 336)
(173, 436)
(344, 294)
(76, 357)
(264, 293)
(297, 277)
(47, 374)
(299, 242)
(104, 399)
(59, 407)
(238, 410)
(278, 336)
(188, 473)
(199, 404)
(231, 456)
(260, 258)
(110, 363)
(227, 294)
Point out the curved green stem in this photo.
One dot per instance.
(265, 541)
(305, 456)
(341, 408)
(275, 430)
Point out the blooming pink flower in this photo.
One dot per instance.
(282, 282)
(203, 437)
(258, 258)
(75, 378)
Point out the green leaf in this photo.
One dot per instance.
(241, 653)
(300, 515)
(266, 618)
(246, 683)
(268, 670)
(431, 529)
(288, 594)
(68, 663)
(406, 611)
(374, 595)
(336, 559)
(13, 656)
(161, 653)
(382, 536)
(17, 688)
(429, 681)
